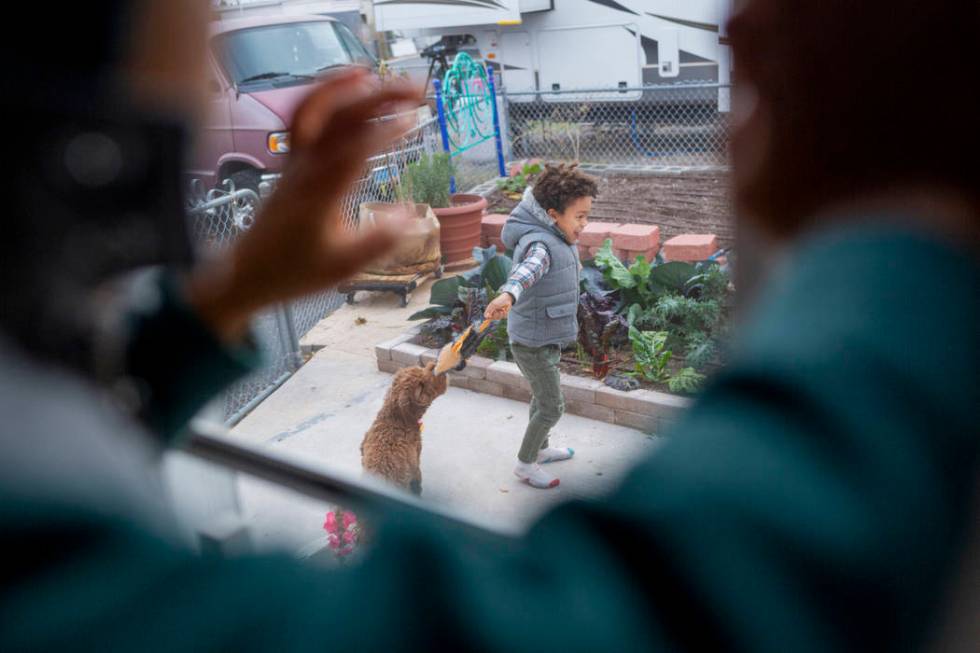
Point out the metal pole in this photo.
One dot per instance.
(443, 131)
(292, 338)
(496, 124)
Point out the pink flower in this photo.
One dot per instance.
(333, 541)
(349, 537)
(349, 520)
(330, 525)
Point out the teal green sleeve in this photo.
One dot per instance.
(179, 363)
(815, 499)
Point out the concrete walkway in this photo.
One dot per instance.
(470, 439)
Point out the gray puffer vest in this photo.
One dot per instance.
(546, 313)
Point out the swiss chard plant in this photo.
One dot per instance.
(600, 324)
(643, 281)
(650, 354)
(456, 302)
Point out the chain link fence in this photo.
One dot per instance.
(664, 127)
(677, 127)
(220, 215)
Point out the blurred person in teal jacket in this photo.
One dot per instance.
(816, 497)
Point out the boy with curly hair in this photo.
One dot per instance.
(540, 300)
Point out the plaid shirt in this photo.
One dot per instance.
(534, 265)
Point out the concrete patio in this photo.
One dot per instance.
(470, 439)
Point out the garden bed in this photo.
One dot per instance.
(621, 362)
(694, 202)
(646, 410)
(656, 324)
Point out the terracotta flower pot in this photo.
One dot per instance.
(460, 227)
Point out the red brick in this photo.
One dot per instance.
(493, 224)
(595, 233)
(636, 237)
(690, 247)
(501, 248)
(583, 252)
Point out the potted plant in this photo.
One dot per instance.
(427, 182)
(417, 250)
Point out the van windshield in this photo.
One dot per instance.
(288, 52)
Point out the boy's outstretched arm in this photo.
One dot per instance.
(535, 265)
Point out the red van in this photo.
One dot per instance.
(261, 68)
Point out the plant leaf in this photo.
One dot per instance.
(496, 271)
(686, 380)
(445, 291)
(484, 254)
(430, 312)
(613, 268)
(670, 277)
(594, 282)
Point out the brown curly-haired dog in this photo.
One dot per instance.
(392, 447)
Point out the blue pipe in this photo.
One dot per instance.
(496, 123)
(437, 85)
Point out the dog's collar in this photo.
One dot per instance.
(421, 426)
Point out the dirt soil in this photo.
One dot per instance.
(684, 203)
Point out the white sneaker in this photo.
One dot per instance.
(552, 455)
(533, 475)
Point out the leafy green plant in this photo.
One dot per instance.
(462, 299)
(427, 180)
(687, 380)
(598, 324)
(453, 292)
(650, 353)
(519, 182)
(496, 345)
(711, 282)
(700, 350)
(642, 282)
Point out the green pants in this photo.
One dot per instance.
(539, 365)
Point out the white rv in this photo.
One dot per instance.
(557, 45)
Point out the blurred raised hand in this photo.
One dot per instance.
(298, 243)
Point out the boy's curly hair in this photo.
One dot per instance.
(560, 185)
